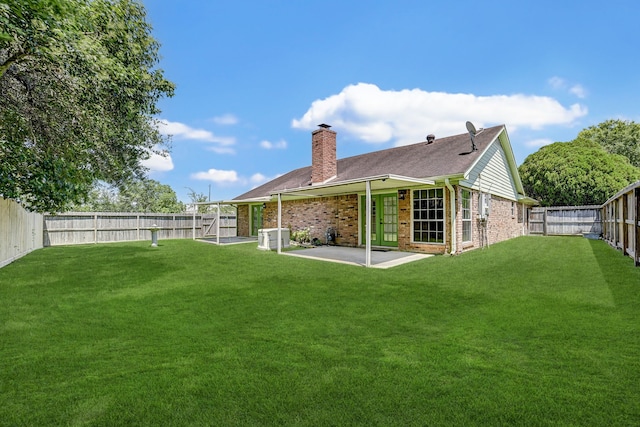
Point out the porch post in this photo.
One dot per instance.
(368, 225)
(279, 223)
(218, 226)
(194, 220)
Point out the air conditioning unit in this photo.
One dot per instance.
(268, 238)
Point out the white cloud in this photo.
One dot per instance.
(558, 83)
(268, 145)
(578, 91)
(231, 177)
(226, 119)
(217, 176)
(537, 143)
(257, 178)
(221, 150)
(159, 163)
(368, 113)
(184, 132)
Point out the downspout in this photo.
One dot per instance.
(452, 193)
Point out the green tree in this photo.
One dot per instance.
(617, 137)
(145, 195)
(199, 198)
(78, 95)
(101, 198)
(575, 173)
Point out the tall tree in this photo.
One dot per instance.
(575, 173)
(78, 96)
(145, 195)
(617, 137)
(199, 198)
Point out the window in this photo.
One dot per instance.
(513, 209)
(465, 199)
(428, 216)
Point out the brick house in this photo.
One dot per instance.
(444, 195)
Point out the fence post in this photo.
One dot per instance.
(636, 227)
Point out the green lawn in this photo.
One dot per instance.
(533, 331)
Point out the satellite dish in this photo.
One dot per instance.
(472, 133)
(471, 128)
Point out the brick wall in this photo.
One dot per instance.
(339, 213)
(502, 224)
(243, 221)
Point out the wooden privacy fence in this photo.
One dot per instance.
(72, 228)
(622, 221)
(566, 220)
(20, 231)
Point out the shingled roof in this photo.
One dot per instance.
(448, 156)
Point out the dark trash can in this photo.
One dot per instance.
(331, 236)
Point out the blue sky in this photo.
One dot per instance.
(254, 78)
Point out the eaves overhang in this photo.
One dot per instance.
(527, 200)
(354, 186)
(235, 201)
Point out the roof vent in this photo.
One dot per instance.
(430, 138)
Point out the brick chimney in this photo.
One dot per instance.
(323, 154)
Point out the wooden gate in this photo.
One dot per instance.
(210, 226)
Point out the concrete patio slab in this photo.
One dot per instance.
(232, 240)
(357, 256)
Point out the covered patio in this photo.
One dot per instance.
(358, 256)
(355, 186)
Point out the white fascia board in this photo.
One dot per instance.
(311, 190)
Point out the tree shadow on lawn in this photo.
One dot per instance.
(111, 266)
(619, 272)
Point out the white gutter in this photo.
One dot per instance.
(452, 192)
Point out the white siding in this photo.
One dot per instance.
(491, 173)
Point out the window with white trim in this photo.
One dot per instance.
(428, 215)
(465, 201)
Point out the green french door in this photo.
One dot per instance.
(256, 219)
(384, 219)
